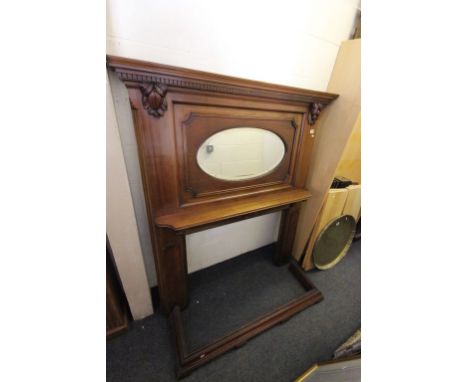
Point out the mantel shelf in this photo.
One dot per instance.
(135, 72)
(204, 214)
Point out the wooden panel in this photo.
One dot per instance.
(333, 130)
(342, 370)
(333, 207)
(194, 124)
(350, 162)
(155, 149)
(353, 202)
(204, 214)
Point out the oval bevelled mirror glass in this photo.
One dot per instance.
(240, 153)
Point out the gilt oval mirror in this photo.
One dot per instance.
(240, 153)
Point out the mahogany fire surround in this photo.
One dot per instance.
(173, 111)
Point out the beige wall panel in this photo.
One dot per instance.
(332, 208)
(350, 162)
(121, 225)
(130, 151)
(333, 133)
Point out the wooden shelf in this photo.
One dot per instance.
(130, 71)
(205, 214)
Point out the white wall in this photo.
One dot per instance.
(289, 42)
(221, 243)
(293, 43)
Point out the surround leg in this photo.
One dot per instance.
(171, 267)
(287, 233)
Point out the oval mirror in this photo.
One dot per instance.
(240, 153)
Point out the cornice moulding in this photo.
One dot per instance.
(135, 73)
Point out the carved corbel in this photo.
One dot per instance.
(154, 98)
(314, 111)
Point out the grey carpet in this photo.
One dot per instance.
(233, 293)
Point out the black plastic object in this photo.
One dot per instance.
(341, 182)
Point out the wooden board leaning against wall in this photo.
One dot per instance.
(332, 137)
(350, 162)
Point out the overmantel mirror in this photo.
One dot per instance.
(241, 153)
(214, 150)
(223, 149)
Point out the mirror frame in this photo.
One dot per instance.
(195, 123)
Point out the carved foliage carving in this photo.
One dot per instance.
(314, 111)
(154, 98)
